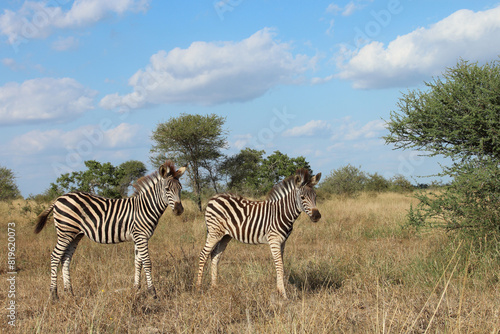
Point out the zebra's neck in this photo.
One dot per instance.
(150, 199)
(284, 200)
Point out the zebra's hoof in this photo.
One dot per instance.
(53, 295)
(152, 292)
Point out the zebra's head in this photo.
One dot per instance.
(171, 186)
(306, 195)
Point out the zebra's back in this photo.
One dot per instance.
(102, 220)
(243, 219)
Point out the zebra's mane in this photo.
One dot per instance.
(146, 182)
(288, 183)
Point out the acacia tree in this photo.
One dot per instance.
(457, 117)
(192, 140)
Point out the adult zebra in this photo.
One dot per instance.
(111, 221)
(258, 222)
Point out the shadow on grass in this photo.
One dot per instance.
(315, 276)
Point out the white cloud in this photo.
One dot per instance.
(346, 129)
(38, 19)
(318, 80)
(64, 44)
(333, 8)
(12, 64)
(425, 52)
(44, 99)
(311, 128)
(242, 140)
(352, 131)
(83, 140)
(209, 73)
(348, 9)
(330, 30)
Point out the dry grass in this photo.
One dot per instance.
(355, 271)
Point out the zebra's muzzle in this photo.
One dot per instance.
(315, 215)
(178, 208)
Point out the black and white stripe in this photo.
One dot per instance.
(111, 221)
(270, 222)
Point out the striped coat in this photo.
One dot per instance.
(111, 221)
(270, 222)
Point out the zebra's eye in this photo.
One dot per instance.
(302, 197)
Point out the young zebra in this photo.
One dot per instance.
(259, 222)
(111, 221)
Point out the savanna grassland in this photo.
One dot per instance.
(356, 271)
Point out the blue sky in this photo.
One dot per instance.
(90, 79)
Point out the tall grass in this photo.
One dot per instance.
(355, 271)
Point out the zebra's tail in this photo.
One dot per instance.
(41, 220)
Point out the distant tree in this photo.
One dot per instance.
(242, 170)
(376, 182)
(346, 181)
(130, 171)
(8, 186)
(249, 172)
(277, 167)
(101, 179)
(192, 140)
(401, 184)
(457, 117)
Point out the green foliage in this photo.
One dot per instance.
(101, 179)
(8, 186)
(193, 140)
(248, 172)
(469, 204)
(345, 181)
(377, 183)
(277, 167)
(349, 181)
(401, 184)
(457, 117)
(242, 170)
(129, 171)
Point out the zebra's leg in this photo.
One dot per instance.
(138, 268)
(283, 252)
(216, 255)
(143, 251)
(62, 244)
(211, 242)
(276, 248)
(66, 260)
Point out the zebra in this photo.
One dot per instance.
(110, 221)
(270, 221)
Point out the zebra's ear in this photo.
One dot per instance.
(179, 172)
(164, 171)
(315, 179)
(298, 181)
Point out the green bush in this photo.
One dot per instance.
(8, 186)
(376, 182)
(401, 184)
(346, 181)
(458, 117)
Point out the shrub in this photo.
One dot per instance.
(345, 181)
